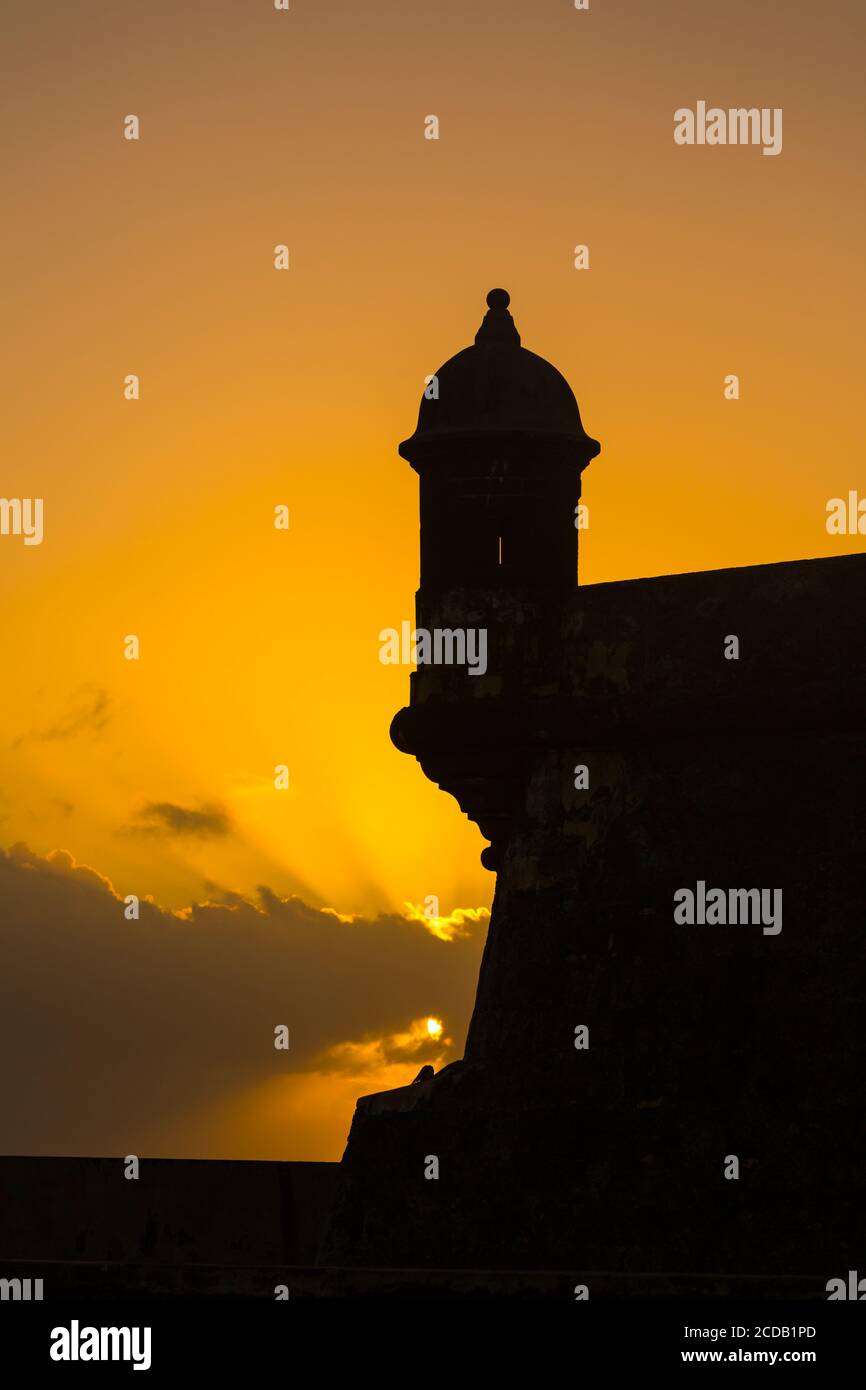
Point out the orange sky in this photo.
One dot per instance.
(261, 387)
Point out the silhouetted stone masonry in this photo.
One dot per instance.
(704, 1041)
(111, 1282)
(84, 1212)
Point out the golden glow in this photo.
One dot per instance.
(376, 1051)
(446, 928)
(262, 388)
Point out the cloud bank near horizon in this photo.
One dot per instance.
(157, 1035)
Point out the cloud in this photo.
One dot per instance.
(457, 923)
(90, 712)
(58, 862)
(416, 1044)
(156, 1036)
(165, 818)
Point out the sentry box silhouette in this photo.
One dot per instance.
(705, 1120)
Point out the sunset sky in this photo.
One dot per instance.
(260, 387)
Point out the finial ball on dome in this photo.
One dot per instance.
(498, 299)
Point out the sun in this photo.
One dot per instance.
(434, 1027)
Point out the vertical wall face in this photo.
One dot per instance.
(585, 933)
(460, 526)
(706, 1041)
(540, 538)
(501, 516)
(630, 747)
(691, 767)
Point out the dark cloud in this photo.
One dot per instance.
(90, 712)
(414, 1044)
(111, 1030)
(165, 818)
